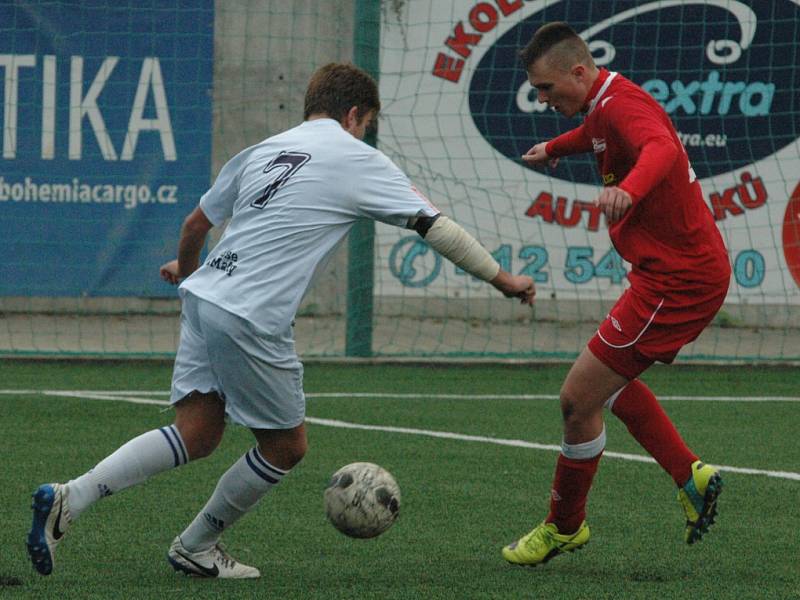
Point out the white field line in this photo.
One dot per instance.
(104, 396)
(104, 392)
(540, 397)
(406, 396)
(523, 444)
(125, 397)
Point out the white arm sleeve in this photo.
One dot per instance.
(451, 241)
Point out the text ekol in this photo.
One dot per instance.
(84, 104)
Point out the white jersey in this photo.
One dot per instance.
(291, 199)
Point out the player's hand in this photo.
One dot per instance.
(537, 156)
(169, 272)
(515, 286)
(614, 202)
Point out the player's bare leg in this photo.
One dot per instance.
(284, 448)
(586, 389)
(200, 419)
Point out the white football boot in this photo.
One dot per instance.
(51, 520)
(215, 562)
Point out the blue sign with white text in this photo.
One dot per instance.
(106, 142)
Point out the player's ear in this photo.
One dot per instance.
(351, 118)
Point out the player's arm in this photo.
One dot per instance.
(646, 136)
(572, 142)
(194, 230)
(451, 241)
(383, 192)
(655, 160)
(575, 141)
(214, 207)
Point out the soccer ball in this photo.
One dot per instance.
(362, 500)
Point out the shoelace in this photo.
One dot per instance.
(223, 558)
(539, 537)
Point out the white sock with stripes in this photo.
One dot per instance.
(238, 491)
(132, 463)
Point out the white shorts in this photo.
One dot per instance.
(258, 376)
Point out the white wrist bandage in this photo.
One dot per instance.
(456, 245)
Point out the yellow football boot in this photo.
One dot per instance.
(543, 543)
(699, 500)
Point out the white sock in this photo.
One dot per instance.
(585, 450)
(132, 463)
(238, 491)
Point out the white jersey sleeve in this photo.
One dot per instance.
(217, 203)
(383, 192)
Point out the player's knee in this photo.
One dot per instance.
(201, 441)
(201, 447)
(295, 451)
(200, 419)
(287, 451)
(207, 443)
(567, 403)
(571, 408)
(299, 452)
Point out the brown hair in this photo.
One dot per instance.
(567, 47)
(335, 88)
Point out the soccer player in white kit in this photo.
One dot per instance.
(291, 200)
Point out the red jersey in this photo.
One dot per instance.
(668, 234)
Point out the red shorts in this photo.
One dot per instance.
(640, 330)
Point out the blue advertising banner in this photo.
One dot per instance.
(106, 142)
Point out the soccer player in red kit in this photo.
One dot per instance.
(659, 223)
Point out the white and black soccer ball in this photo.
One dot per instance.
(362, 500)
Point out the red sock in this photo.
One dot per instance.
(638, 408)
(571, 485)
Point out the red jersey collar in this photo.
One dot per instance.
(598, 83)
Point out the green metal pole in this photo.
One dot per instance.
(361, 257)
